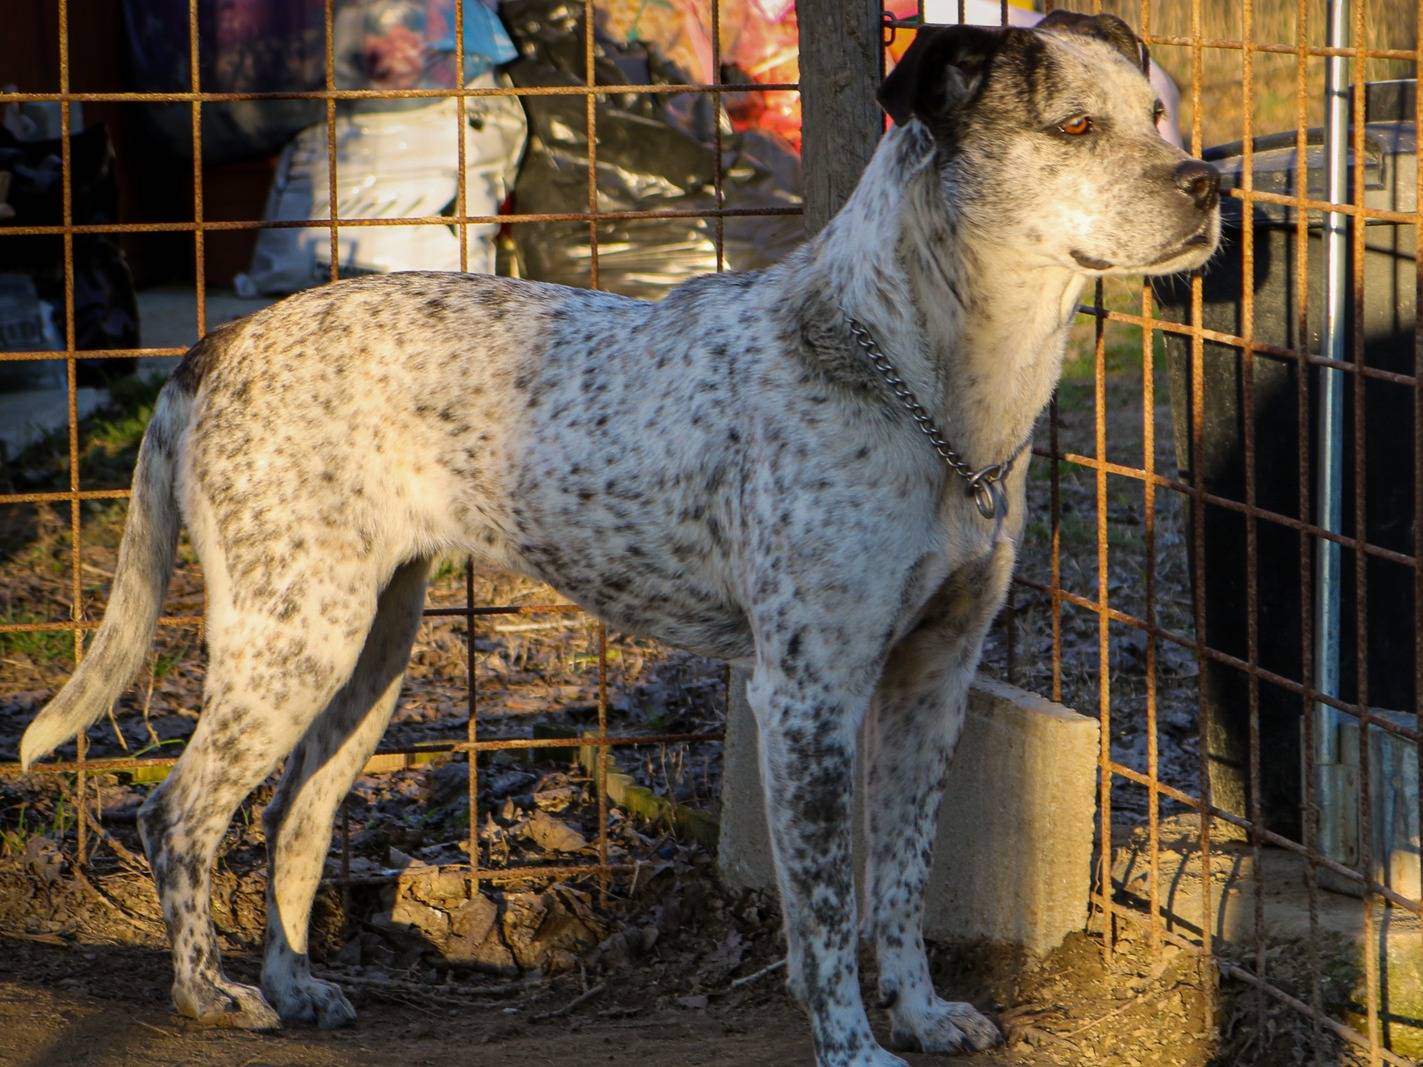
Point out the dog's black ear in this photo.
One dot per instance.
(1106, 28)
(943, 69)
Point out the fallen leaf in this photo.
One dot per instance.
(549, 833)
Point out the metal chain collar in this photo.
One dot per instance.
(984, 484)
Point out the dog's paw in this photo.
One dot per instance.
(944, 1026)
(882, 1058)
(869, 1056)
(225, 1004)
(852, 1047)
(312, 1001)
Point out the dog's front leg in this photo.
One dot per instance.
(914, 725)
(807, 723)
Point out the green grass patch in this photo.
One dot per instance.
(166, 662)
(42, 646)
(447, 567)
(1121, 350)
(29, 823)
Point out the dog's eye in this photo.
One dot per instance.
(1158, 112)
(1077, 126)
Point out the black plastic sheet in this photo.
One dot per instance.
(105, 307)
(655, 152)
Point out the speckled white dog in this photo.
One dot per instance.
(732, 469)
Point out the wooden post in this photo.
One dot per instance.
(840, 119)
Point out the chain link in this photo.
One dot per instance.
(982, 484)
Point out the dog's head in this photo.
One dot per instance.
(1046, 140)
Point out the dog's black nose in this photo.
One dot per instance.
(1200, 181)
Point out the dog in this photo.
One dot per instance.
(809, 470)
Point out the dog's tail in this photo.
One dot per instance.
(145, 563)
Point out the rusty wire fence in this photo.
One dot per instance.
(87, 607)
(1169, 576)
(1111, 610)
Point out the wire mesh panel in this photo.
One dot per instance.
(1169, 580)
(510, 707)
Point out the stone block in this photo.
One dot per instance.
(1013, 857)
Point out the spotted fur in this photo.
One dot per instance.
(721, 469)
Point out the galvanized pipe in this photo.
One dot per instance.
(1334, 794)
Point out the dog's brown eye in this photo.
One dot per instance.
(1076, 127)
(1158, 112)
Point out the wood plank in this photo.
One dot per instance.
(839, 73)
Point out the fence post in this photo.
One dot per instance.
(840, 118)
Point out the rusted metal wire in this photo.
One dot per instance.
(1104, 626)
(1198, 535)
(1103, 602)
(601, 89)
(1148, 494)
(1230, 504)
(1418, 433)
(504, 744)
(1109, 616)
(1218, 656)
(1212, 816)
(1361, 627)
(605, 740)
(1252, 609)
(411, 220)
(71, 366)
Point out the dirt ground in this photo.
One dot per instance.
(92, 1005)
(668, 967)
(43, 1027)
(562, 977)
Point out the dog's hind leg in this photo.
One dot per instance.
(808, 711)
(318, 774)
(913, 728)
(274, 663)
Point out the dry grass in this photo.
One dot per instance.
(1391, 24)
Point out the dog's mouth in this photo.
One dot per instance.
(1200, 239)
(1090, 262)
(1203, 238)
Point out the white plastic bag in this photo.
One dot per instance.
(389, 164)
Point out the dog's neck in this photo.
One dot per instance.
(976, 329)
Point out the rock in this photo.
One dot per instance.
(558, 798)
(43, 859)
(349, 954)
(121, 803)
(402, 936)
(540, 927)
(551, 834)
(471, 924)
(444, 889)
(505, 782)
(403, 860)
(446, 783)
(432, 922)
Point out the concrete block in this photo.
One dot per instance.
(1012, 862)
